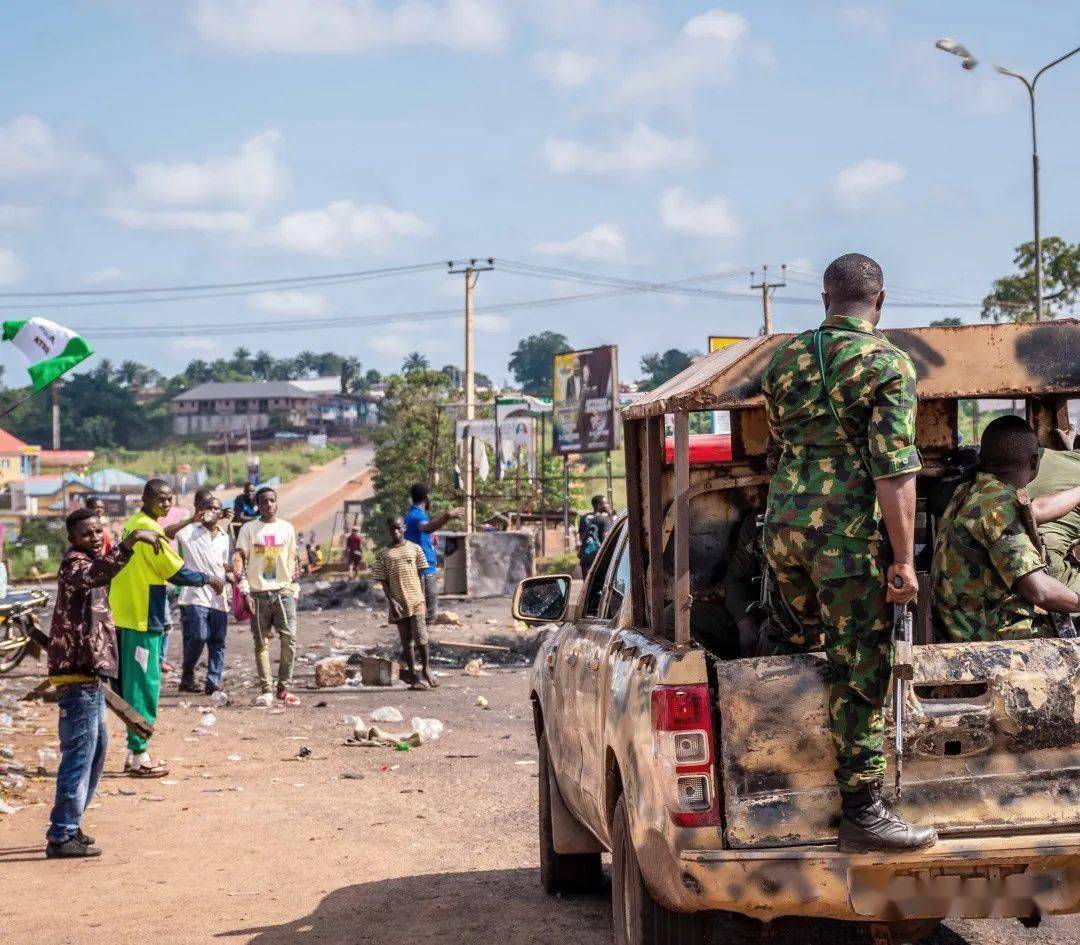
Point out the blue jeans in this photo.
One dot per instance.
(83, 741)
(203, 626)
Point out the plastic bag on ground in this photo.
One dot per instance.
(387, 713)
(429, 730)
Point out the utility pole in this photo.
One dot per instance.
(766, 293)
(471, 271)
(56, 415)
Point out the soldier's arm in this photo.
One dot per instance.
(1049, 508)
(894, 462)
(1049, 593)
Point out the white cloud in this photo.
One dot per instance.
(348, 26)
(290, 302)
(29, 147)
(641, 151)
(107, 274)
(704, 53)
(859, 185)
(605, 241)
(709, 218)
(252, 178)
(343, 227)
(195, 344)
(567, 68)
(12, 215)
(227, 222)
(11, 270)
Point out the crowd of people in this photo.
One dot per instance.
(112, 617)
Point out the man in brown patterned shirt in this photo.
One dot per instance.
(398, 567)
(82, 658)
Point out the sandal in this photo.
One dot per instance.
(148, 771)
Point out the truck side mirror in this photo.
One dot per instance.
(542, 599)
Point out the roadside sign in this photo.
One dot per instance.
(719, 342)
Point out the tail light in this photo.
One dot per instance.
(683, 748)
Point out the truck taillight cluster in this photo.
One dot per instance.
(683, 747)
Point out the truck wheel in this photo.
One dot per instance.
(562, 872)
(639, 919)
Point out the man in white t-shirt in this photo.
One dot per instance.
(266, 547)
(204, 615)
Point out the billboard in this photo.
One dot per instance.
(585, 389)
(718, 342)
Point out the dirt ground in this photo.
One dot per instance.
(244, 842)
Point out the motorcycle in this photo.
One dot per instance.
(18, 618)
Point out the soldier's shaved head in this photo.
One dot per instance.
(853, 284)
(1010, 449)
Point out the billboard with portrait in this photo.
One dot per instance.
(584, 400)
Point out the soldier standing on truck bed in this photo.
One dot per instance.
(841, 404)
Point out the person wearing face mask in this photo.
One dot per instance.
(204, 614)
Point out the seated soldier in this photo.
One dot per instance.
(1055, 496)
(989, 574)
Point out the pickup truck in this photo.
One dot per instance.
(708, 777)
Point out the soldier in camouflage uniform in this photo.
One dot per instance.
(989, 571)
(841, 403)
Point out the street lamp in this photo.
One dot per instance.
(969, 63)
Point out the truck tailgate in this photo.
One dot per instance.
(991, 743)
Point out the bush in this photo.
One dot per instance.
(558, 564)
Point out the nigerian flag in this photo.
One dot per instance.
(51, 349)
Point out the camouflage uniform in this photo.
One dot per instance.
(983, 548)
(821, 527)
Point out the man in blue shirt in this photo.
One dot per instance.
(419, 527)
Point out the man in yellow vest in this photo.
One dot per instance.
(138, 602)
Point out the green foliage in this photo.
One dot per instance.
(531, 362)
(19, 556)
(404, 447)
(414, 362)
(658, 368)
(286, 462)
(1011, 298)
(557, 564)
(950, 322)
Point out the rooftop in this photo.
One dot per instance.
(12, 444)
(244, 390)
(1007, 360)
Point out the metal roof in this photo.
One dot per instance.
(244, 390)
(970, 361)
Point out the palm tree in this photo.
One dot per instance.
(262, 365)
(414, 361)
(307, 361)
(350, 373)
(131, 374)
(241, 361)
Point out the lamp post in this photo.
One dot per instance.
(969, 63)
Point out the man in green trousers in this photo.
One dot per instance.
(138, 602)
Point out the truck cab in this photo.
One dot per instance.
(708, 777)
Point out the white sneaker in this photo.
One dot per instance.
(265, 700)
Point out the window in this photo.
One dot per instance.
(974, 416)
(620, 582)
(598, 576)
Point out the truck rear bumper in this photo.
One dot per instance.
(971, 877)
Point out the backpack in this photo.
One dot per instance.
(591, 543)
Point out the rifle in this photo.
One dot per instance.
(903, 674)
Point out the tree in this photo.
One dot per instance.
(132, 374)
(350, 375)
(403, 447)
(950, 321)
(414, 361)
(658, 368)
(453, 374)
(1011, 298)
(262, 365)
(241, 361)
(531, 362)
(306, 362)
(372, 377)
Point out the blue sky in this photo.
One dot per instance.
(147, 144)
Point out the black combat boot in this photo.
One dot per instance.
(867, 825)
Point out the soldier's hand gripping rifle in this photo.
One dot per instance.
(903, 674)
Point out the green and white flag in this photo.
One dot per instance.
(51, 349)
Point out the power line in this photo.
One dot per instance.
(147, 290)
